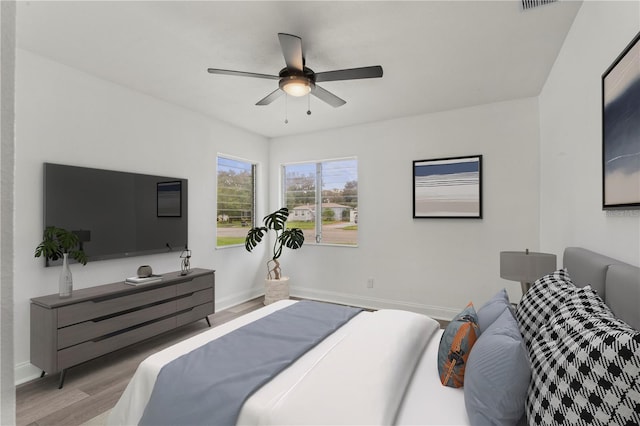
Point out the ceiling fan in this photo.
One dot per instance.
(297, 80)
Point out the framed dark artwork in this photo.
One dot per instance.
(621, 130)
(448, 187)
(169, 196)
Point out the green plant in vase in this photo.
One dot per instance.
(292, 238)
(58, 243)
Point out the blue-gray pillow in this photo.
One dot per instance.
(497, 375)
(492, 309)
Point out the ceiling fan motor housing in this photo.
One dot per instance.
(297, 83)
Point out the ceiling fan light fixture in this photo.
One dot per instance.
(296, 85)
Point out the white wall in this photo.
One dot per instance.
(69, 117)
(571, 137)
(7, 149)
(434, 266)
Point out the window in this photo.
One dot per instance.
(322, 198)
(236, 200)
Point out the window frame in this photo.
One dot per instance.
(318, 196)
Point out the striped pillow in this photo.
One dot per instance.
(455, 344)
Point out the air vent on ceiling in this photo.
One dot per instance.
(530, 4)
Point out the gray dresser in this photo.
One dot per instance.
(98, 320)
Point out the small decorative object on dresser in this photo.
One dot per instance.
(58, 243)
(186, 261)
(276, 286)
(143, 280)
(145, 271)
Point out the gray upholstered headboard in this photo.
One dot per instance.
(618, 283)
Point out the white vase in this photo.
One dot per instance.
(275, 290)
(66, 279)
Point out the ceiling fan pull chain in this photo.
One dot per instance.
(309, 103)
(286, 112)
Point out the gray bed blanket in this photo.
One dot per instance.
(208, 385)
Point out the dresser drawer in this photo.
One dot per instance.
(198, 283)
(92, 349)
(197, 298)
(195, 314)
(88, 330)
(80, 312)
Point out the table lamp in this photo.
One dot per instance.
(526, 266)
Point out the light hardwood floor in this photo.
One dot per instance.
(94, 387)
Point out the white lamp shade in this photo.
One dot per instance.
(296, 85)
(297, 89)
(526, 267)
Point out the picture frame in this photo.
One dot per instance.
(169, 199)
(621, 130)
(448, 188)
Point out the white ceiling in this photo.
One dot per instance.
(436, 55)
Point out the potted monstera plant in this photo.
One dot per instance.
(276, 286)
(58, 243)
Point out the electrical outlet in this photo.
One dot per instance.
(370, 283)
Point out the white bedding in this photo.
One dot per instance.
(427, 402)
(337, 382)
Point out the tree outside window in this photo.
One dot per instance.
(236, 200)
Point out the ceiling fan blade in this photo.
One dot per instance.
(292, 50)
(350, 74)
(328, 97)
(242, 73)
(270, 97)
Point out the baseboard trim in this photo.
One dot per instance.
(238, 298)
(436, 312)
(25, 372)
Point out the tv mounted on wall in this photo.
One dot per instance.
(116, 214)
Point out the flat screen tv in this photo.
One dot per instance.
(116, 214)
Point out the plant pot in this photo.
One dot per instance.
(275, 290)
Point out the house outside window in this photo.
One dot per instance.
(236, 195)
(322, 198)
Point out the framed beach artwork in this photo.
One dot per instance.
(621, 130)
(448, 187)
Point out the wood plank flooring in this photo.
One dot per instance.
(94, 387)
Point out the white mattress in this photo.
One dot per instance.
(359, 390)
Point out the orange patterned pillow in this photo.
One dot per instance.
(455, 345)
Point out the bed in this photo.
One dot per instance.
(381, 367)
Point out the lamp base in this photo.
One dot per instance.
(525, 287)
